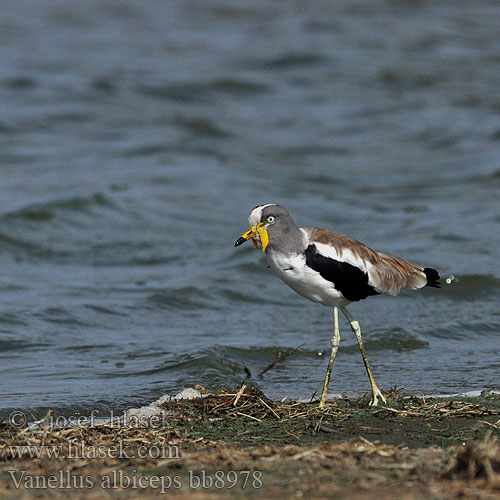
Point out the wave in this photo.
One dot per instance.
(42, 212)
(470, 287)
(188, 297)
(397, 339)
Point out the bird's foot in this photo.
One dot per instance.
(375, 395)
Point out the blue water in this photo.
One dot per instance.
(135, 137)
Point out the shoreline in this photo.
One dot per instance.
(241, 444)
(100, 416)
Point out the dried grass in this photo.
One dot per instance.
(247, 403)
(478, 459)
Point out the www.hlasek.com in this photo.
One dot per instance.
(81, 451)
(202, 479)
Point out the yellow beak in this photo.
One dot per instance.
(261, 230)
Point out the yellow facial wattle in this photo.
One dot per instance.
(264, 237)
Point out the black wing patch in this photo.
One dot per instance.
(349, 280)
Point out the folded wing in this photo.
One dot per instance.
(358, 271)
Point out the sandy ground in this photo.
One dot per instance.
(240, 444)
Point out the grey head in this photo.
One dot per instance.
(284, 235)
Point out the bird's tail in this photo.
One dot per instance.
(432, 277)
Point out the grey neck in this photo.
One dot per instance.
(293, 241)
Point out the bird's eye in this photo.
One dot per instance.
(271, 219)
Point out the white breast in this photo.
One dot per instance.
(305, 281)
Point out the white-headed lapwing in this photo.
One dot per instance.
(332, 269)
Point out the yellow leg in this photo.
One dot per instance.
(335, 347)
(357, 331)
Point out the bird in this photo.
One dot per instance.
(331, 269)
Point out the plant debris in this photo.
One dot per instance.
(279, 357)
(409, 448)
(478, 459)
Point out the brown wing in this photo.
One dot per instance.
(386, 273)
